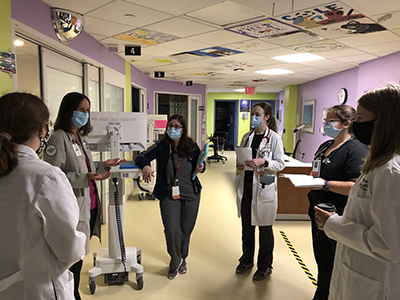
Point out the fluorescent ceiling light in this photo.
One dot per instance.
(275, 72)
(296, 58)
(239, 90)
(18, 43)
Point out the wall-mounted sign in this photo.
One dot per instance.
(158, 74)
(250, 90)
(132, 50)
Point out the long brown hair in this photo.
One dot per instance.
(186, 143)
(385, 142)
(21, 116)
(271, 123)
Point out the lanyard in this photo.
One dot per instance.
(321, 151)
(265, 136)
(177, 168)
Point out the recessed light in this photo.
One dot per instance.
(18, 43)
(296, 58)
(239, 90)
(275, 72)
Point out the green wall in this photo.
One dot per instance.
(6, 82)
(243, 124)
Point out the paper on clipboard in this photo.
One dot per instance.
(302, 180)
(243, 154)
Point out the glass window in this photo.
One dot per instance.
(60, 83)
(94, 95)
(28, 73)
(114, 98)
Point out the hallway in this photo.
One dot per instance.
(214, 251)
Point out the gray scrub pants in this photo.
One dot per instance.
(179, 218)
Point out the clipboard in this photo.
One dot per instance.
(202, 157)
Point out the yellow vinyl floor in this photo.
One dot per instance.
(215, 248)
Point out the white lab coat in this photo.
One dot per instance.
(38, 236)
(264, 199)
(367, 260)
(65, 152)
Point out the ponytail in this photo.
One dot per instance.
(8, 154)
(272, 123)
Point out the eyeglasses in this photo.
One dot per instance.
(175, 126)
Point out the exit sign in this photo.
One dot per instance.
(250, 90)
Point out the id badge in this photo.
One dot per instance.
(77, 150)
(175, 192)
(316, 167)
(261, 172)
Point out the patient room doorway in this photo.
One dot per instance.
(226, 120)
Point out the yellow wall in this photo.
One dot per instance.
(289, 118)
(6, 82)
(243, 124)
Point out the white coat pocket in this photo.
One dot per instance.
(266, 193)
(359, 286)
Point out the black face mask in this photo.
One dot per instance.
(363, 131)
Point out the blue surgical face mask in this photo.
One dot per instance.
(79, 119)
(174, 133)
(330, 130)
(255, 122)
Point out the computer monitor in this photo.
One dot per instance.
(131, 128)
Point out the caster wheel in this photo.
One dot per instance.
(139, 281)
(223, 161)
(139, 259)
(92, 286)
(141, 197)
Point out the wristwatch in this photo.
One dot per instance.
(325, 186)
(265, 165)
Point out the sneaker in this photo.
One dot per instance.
(173, 273)
(242, 268)
(182, 269)
(260, 275)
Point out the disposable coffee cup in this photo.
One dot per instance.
(327, 207)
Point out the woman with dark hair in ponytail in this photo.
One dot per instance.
(179, 194)
(38, 209)
(257, 197)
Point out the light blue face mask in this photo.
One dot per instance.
(330, 130)
(174, 133)
(255, 122)
(79, 119)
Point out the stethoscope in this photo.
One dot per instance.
(266, 136)
(326, 161)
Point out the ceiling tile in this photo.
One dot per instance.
(220, 37)
(115, 11)
(80, 6)
(181, 27)
(374, 7)
(175, 7)
(103, 27)
(373, 38)
(390, 21)
(382, 49)
(225, 13)
(185, 45)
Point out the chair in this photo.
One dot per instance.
(218, 140)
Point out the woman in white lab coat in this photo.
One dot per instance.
(367, 259)
(68, 150)
(257, 197)
(38, 209)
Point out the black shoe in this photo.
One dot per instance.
(242, 268)
(260, 275)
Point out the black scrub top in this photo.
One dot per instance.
(341, 165)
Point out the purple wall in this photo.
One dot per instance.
(36, 15)
(369, 75)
